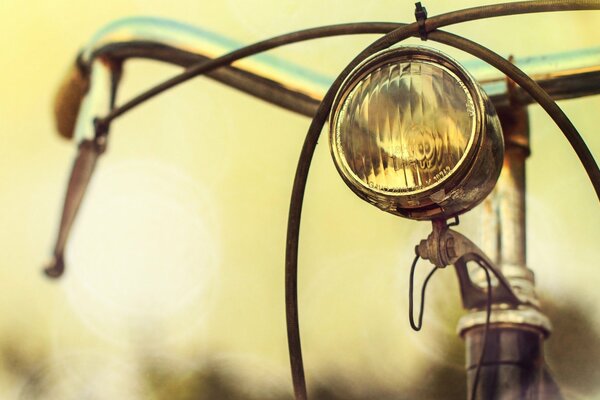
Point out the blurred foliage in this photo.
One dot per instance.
(573, 349)
(24, 364)
(572, 353)
(211, 383)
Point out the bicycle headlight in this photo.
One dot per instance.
(413, 133)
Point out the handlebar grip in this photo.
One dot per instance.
(69, 97)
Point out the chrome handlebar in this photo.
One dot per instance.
(563, 75)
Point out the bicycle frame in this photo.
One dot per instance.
(90, 90)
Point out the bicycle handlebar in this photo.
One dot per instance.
(563, 75)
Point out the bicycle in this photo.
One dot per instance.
(512, 115)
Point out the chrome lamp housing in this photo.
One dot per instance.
(413, 133)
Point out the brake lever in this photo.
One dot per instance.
(81, 174)
(89, 151)
(445, 246)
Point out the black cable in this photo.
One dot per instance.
(482, 12)
(312, 136)
(262, 87)
(488, 310)
(455, 222)
(417, 327)
(247, 51)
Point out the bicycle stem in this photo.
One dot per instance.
(514, 348)
(515, 345)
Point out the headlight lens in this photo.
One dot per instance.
(409, 125)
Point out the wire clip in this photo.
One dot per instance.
(100, 127)
(421, 17)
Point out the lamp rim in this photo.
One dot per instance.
(421, 196)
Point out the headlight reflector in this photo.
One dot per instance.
(409, 125)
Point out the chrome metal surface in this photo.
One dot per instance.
(504, 228)
(527, 316)
(510, 191)
(504, 236)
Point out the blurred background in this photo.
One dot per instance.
(175, 286)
